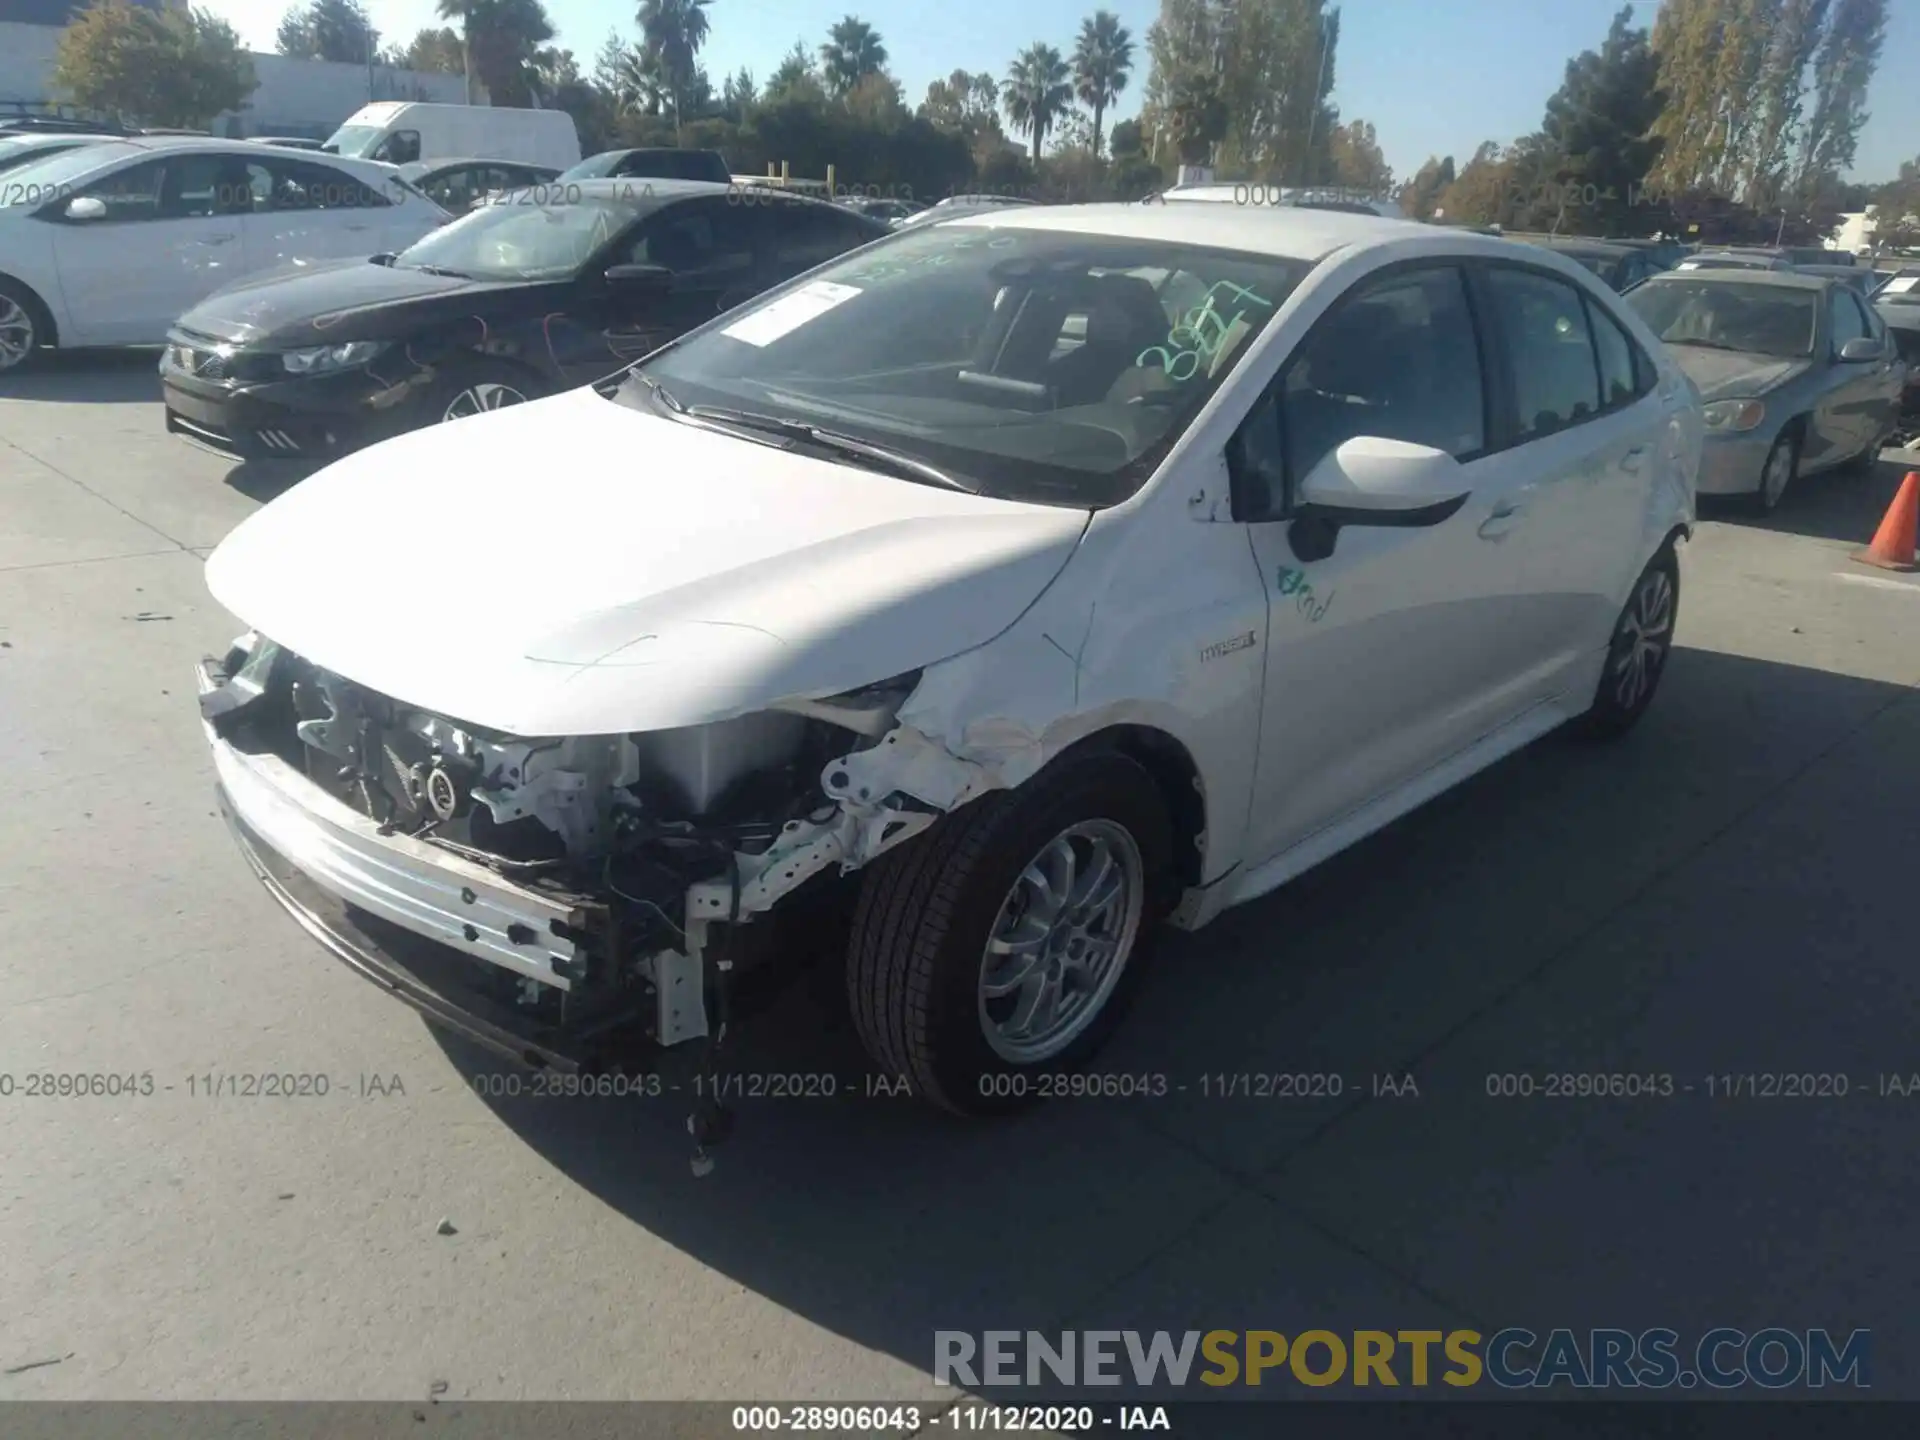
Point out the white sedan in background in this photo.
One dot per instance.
(109, 243)
(1019, 582)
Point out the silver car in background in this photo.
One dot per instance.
(1798, 373)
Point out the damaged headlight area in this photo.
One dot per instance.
(606, 881)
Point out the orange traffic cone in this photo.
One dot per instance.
(1893, 543)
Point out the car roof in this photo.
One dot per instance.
(1290, 231)
(427, 167)
(652, 150)
(1779, 279)
(68, 138)
(1577, 246)
(639, 187)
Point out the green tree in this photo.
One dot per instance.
(1479, 193)
(739, 94)
(1897, 208)
(1417, 197)
(1037, 93)
(1358, 162)
(852, 52)
(876, 99)
(1588, 166)
(500, 39)
(1102, 61)
(796, 78)
(436, 50)
(177, 68)
(1196, 116)
(1128, 138)
(328, 30)
(673, 32)
(964, 104)
(1272, 66)
(1843, 67)
(1779, 102)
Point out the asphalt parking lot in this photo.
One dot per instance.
(1729, 891)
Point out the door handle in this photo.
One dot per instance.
(1630, 462)
(1496, 526)
(218, 239)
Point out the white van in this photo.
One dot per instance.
(402, 131)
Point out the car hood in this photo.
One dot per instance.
(575, 567)
(308, 304)
(1735, 374)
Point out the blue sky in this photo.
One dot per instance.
(1434, 76)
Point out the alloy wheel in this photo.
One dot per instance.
(1646, 632)
(488, 395)
(1060, 942)
(17, 336)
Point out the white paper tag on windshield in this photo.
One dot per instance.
(1903, 284)
(790, 312)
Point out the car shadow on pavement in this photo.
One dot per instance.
(88, 377)
(1834, 505)
(265, 480)
(1461, 925)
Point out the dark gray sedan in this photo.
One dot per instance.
(1797, 372)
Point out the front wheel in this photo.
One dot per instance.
(474, 389)
(1782, 464)
(1637, 656)
(22, 327)
(1001, 947)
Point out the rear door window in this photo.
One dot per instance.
(1550, 350)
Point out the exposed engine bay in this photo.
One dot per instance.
(663, 847)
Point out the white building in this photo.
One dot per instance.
(295, 97)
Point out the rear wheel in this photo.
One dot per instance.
(1637, 656)
(1868, 459)
(1002, 946)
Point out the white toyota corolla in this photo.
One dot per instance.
(1010, 586)
(110, 243)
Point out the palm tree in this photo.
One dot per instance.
(643, 83)
(1037, 93)
(674, 30)
(499, 38)
(1102, 60)
(853, 51)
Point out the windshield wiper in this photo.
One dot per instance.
(847, 447)
(440, 270)
(1709, 345)
(659, 391)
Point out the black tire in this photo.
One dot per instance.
(1765, 500)
(19, 304)
(1618, 704)
(927, 910)
(481, 375)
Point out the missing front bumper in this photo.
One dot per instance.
(410, 967)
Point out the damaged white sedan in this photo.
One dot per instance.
(1012, 586)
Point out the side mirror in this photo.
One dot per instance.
(640, 277)
(1370, 480)
(85, 207)
(1861, 349)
